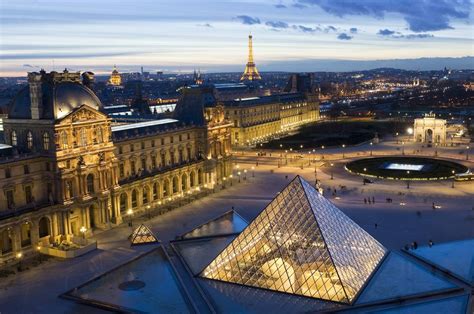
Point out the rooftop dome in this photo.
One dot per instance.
(58, 100)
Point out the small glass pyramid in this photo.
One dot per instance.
(300, 244)
(142, 235)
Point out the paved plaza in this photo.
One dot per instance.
(409, 217)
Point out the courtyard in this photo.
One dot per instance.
(409, 216)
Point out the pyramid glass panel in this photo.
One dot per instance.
(142, 235)
(287, 249)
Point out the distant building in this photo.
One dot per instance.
(430, 130)
(197, 77)
(115, 78)
(250, 72)
(259, 118)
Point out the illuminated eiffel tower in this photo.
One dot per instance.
(251, 72)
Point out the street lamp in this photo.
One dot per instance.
(245, 174)
(239, 173)
(410, 131)
(453, 172)
(396, 134)
(467, 152)
(403, 148)
(148, 210)
(371, 144)
(130, 214)
(83, 231)
(322, 147)
(343, 146)
(332, 174)
(19, 255)
(408, 181)
(253, 171)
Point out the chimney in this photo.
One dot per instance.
(36, 95)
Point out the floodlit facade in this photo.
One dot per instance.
(300, 244)
(430, 130)
(115, 78)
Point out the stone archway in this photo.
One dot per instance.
(44, 227)
(429, 136)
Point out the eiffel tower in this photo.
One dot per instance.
(251, 72)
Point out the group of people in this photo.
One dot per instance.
(369, 200)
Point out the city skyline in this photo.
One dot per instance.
(182, 36)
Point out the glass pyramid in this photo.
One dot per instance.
(142, 235)
(227, 223)
(301, 244)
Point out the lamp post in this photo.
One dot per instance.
(396, 134)
(467, 152)
(322, 148)
(83, 231)
(245, 174)
(253, 171)
(436, 149)
(453, 172)
(148, 207)
(332, 174)
(130, 214)
(239, 173)
(371, 144)
(343, 146)
(403, 148)
(408, 181)
(19, 255)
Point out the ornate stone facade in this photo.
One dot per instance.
(71, 169)
(430, 130)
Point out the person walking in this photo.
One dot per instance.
(365, 201)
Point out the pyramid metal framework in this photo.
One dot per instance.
(300, 244)
(250, 72)
(143, 235)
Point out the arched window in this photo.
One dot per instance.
(64, 141)
(200, 176)
(175, 185)
(134, 199)
(29, 140)
(90, 183)
(14, 138)
(123, 202)
(25, 234)
(46, 141)
(155, 190)
(166, 188)
(184, 182)
(145, 195)
(192, 178)
(5, 242)
(43, 227)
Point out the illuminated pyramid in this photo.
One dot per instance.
(142, 235)
(301, 244)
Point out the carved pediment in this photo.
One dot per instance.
(83, 114)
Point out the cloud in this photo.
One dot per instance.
(386, 32)
(394, 34)
(29, 66)
(353, 30)
(277, 24)
(66, 55)
(205, 25)
(299, 6)
(330, 28)
(344, 36)
(305, 29)
(280, 6)
(248, 20)
(421, 15)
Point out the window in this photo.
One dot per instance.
(145, 196)
(8, 173)
(90, 183)
(28, 195)
(10, 199)
(162, 141)
(163, 159)
(122, 170)
(143, 163)
(155, 191)
(26, 169)
(46, 141)
(189, 136)
(131, 147)
(14, 138)
(134, 199)
(132, 166)
(189, 153)
(100, 135)
(153, 143)
(172, 158)
(120, 150)
(48, 166)
(153, 162)
(143, 145)
(83, 137)
(171, 139)
(64, 140)
(29, 140)
(180, 137)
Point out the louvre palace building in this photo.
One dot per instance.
(69, 169)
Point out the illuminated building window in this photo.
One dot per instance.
(134, 199)
(64, 140)
(10, 199)
(100, 135)
(90, 183)
(14, 138)
(29, 140)
(26, 169)
(46, 141)
(82, 137)
(28, 195)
